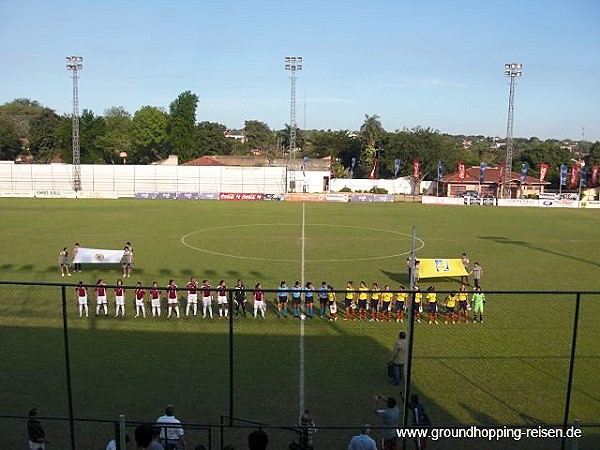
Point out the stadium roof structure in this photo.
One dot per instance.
(492, 175)
(258, 161)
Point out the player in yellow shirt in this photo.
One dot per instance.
(386, 303)
(349, 300)
(450, 304)
(363, 298)
(432, 308)
(418, 304)
(400, 303)
(332, 303)
(463, 303)
(375, 296)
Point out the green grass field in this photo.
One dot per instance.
(511, 370)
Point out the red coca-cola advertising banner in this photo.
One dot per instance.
(574, 175)
(543, 171)
(460, 168)
(242, 197)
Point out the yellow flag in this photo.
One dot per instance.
(431, 268)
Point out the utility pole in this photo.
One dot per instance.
(293, 64)
(512, 70)
(74, 64)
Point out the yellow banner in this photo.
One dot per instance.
(431, 268)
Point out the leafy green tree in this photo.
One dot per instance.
(92, 136)
(258, 135)
(548, 152)
(593, 157)
(117, 138)
(43, 142)
(22, 111)
(284, 137)
(211, 140)
(149, 135)
(10, 146)
(371, 130)
(181, 125)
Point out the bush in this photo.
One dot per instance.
(345, 189)
(376, 190)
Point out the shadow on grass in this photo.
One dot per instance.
(548, 250)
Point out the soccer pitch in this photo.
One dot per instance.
(511, 370)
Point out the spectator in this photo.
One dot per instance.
(112, 444)
(172, 437)
(363, 441)
(477, 273)
(419, 419)
(143, 436)
(390, 415)
(398, 358)
(155, 444)
(35, 431)
(305, 434)
(258, 440)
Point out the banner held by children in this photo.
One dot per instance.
(431, 268)
(98, 255)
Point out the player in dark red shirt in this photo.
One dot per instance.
(82, 300)
(192, 297)
(172, 300)
(140, 293)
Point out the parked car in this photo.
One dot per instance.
(470, 194)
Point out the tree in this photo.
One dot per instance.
(92, 136)
(148, 135)
(43, 142)
(181, 125)
(10, 146)
(548, 152)
(259, 135)
(117, 138)
(371, 130)
(211, 140)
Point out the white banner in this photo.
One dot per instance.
(98, 255)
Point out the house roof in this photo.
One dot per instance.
(491, 176)
(259, 161)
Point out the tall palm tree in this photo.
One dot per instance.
(371, 129)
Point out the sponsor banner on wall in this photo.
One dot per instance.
(16, 194)
(562, 203)
(52, 193)
(166, 195)
(305, 197)
(339, 198)
(517, 202)
(209, 196)
(383, 198)
(239, 196)
(274, 197)
(361, 198)
(98, 194)
(433, 200)
(187, 196)
(145, 195)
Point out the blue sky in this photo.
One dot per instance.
(435, 64)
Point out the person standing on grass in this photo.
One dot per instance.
(259, 301)
(363, 298)
(140, 295)
(282, 299)
(418, 306)
(349, 301)
(63, 262)
(323, 299)
(419, 419)
(450, 304)
(375, 294)
(296, 292)
(477, 273)
(35, 431)
(101, 300)
(127, 258)
(155, 299)
(82, 299)
(172, 300)
(76, 266)
(390, 414)
(206, 299)
(478, 300)
(309, 299)
(222, 301)
(239, 295)
(332, 303)
(119, 298)
(398, 358)
(192, 297)
(463, 303)
(464, 259)
(386, 303)
(400, 303)
(432, 306)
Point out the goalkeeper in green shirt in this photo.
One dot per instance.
(478, 300)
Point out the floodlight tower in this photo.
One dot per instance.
(511, 70)
(74, 64)
(293, 64)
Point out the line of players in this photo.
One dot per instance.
(363, 303)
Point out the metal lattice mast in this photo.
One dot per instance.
(74, 64)
(293, 64)
(512, 70)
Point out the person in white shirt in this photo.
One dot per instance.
(173, 436)
(363, 441)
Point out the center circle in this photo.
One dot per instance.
(343, 239)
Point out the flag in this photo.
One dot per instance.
(543, 171)
(574, 175)
(331, 173)
(482, 169)
(431, 268)
(397, 163)
(461, 169)
(98, 255)
(373, 173)
(594, 175)
(563, 174)
(524, 168)
(583, 176)
(352, 167)
(304, 163)
(501, 173)
(440, 171)
(416, 169)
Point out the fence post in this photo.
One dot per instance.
(68, 365)
(231, 371)
(571, 364)
(122, 442)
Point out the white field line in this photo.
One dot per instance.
(302, 368)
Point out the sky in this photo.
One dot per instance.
(431, 64)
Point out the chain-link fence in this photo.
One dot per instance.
(533, 362)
